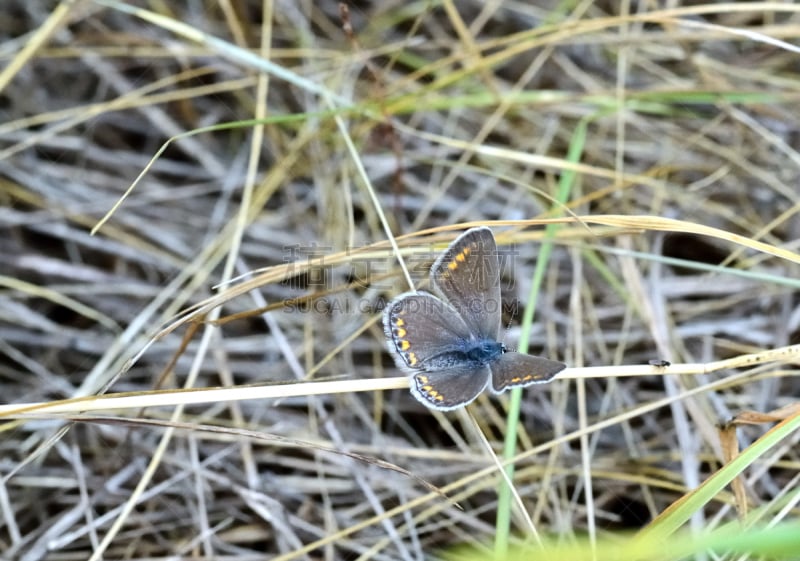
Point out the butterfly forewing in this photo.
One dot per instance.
(467, 275)
(419, 327)
(514, 370)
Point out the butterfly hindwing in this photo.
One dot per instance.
(514, 370)
(449, 389)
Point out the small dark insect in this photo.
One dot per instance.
(659, 362)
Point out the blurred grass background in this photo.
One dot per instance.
(311, 130)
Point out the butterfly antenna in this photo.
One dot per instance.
(505, 332)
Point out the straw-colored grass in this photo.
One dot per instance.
(206, 205)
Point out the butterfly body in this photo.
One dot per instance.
(448, 341)
(472, 353)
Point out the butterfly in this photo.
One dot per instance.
(448, 340)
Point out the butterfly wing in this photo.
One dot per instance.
(512, 370)
(449, 389)
(467, 275)
(419, 327)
